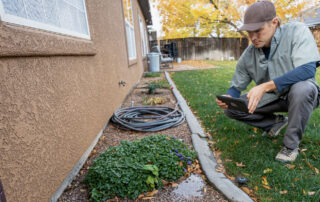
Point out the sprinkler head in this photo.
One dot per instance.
(241, 180)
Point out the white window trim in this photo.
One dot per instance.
(143, 48)
(131, 42)
(38, 25)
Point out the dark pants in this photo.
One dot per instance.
(302, 99)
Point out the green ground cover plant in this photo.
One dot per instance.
(244, 151)
(152, 74)
(139, 166)
(154, 85)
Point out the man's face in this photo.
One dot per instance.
(262, 37)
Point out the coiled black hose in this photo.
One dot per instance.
(148, 119)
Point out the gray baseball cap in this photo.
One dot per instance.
(257, 15)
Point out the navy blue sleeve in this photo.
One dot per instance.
(233, 92)
(300, 73)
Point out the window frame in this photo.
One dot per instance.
(130, 31)
(42, 26)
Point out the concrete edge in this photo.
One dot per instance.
(75, 170)
(205, 155)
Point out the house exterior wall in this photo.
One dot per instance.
(56, 94)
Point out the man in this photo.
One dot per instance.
(282, 63)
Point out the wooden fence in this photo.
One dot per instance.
(209, 48)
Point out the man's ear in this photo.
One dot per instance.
(275, 21)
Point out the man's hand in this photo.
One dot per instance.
(222, 104)
(256, 93)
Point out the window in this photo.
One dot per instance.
(144, 38)
(61, 16)
(127, 9)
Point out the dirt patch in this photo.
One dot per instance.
(112, 136)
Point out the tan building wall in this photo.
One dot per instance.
(56, 94)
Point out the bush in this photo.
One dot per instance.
(135, 167)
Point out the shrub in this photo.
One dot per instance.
(135, 167)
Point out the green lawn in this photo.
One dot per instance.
(298, 181)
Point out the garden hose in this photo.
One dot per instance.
(148, 119)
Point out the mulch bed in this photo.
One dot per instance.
(112, 136)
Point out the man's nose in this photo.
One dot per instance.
(254, 36)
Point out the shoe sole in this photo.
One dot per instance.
(279, 130)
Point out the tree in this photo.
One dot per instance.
(221, 18)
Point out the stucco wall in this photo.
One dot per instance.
(57, 95)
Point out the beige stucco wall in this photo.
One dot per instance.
(57, 95)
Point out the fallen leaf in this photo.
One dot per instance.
(290, 166)
(219, 161)
(296, 179)
(181, 164)
(140, 196)
(204, 190)
(152, 193)
(310, 193)
(174, 184)
(303, 150)
(284, 192)
(198, 171)
(304, 192)
(220, 169)
(256, 188)
(231, 178)
(147, 198)
(246, 174)
(264, 180)
(82, 190)
(240, 164)
(268, 170)
(164, 182)
(255, 130)
(267, 187)
(246, 190)
(227, 160)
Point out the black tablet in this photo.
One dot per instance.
(234, 103)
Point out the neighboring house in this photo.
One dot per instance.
(61, 65)
(311, 18)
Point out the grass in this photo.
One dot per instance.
(152, 74)
(298, 181)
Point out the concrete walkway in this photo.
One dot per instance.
(205, 155)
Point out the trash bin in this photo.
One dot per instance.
(153, 62)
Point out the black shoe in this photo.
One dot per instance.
(282, 122)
